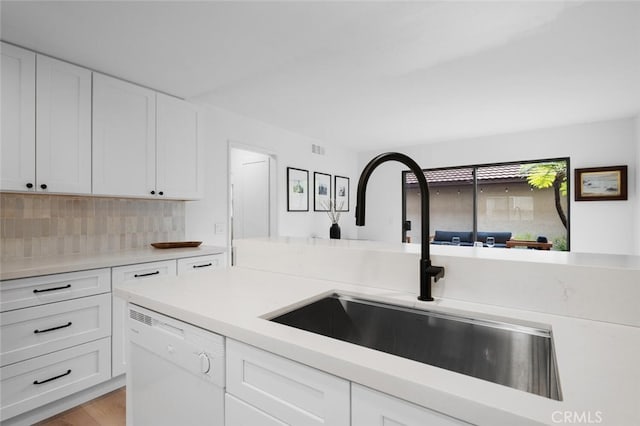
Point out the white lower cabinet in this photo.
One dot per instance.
(121, 275)
(371, 407)
(269, 390)
(35, 331)
(239, 413)
(283, 390)
(55, 338)
(37, 381)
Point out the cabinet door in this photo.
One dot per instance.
(18, 93)
(239, 413)
(369, 407)
(121, 275)
(291, 392)
(179, 151)
(63, 127)
(124, 138)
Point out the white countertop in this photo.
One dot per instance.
(590, 286)
(597, 361)
(601, 260)
(31, 267)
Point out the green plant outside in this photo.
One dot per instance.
(549, 175)
(560, 244)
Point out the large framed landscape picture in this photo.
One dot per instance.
(297, 190)
(601, 183)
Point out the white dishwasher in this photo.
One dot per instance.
(175, 372)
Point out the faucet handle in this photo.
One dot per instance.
(436, 272)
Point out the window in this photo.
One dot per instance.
(526, 200)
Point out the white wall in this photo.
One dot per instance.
(218, 128)
(597, 227)
(636, 216)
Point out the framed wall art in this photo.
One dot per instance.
(601, 183)
(341, 193)
(322, 192)
(297, 190)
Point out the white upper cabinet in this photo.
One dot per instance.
(63, 127)
(124, 138)
(68, 130)
(46, 124)
(145, 144)
(178, 149)
(18, 93)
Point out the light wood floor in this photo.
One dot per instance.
(107, 410)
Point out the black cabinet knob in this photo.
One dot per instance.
(29, 185)
(160, 193)
(153, 192)
(43, 186)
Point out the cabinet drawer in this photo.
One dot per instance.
(371, 407)
(239, 413)
(25, 292)
(35, 331)
(38, 381)
(200, 263)
(291, 392)
(123, 274)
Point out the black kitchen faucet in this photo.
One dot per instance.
(426, 269)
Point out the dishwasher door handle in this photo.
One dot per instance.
(205, 363)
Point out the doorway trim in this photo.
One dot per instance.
(273, 189)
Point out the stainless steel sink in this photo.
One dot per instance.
(519, 356)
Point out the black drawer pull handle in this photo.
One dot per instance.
(146, 275)
(52, 288)
(53, 328)
(203, 266)
(35, 382)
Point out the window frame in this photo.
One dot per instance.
(475, 167)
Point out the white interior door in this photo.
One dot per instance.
(250, 178)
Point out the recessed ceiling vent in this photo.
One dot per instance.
(317, 149)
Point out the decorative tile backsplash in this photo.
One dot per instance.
(44, 225)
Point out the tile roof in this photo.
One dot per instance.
(507, 171)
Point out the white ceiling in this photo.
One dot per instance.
(361, 74)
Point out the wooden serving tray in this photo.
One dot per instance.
(176, 244)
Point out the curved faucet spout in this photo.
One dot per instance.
(426, 269)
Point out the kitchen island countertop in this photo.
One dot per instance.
(597, 361)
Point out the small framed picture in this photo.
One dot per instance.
(297, 190)
(322, 192)
(341, 193)
(601, 183)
